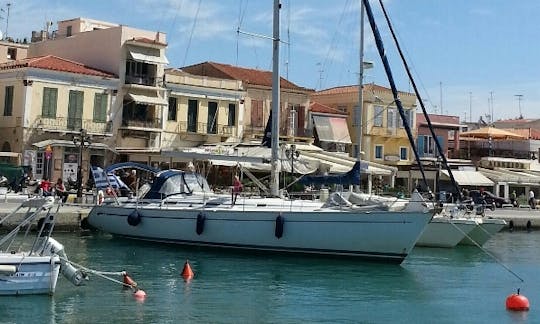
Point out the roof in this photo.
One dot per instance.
(55, 63)
(246, 75)
(371, 87)
(443, 121)
(320, 108)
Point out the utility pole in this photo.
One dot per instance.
(519, 97)
(440, 97)
(470, 106)
(492, 110)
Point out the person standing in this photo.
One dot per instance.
(532, 201)
(513, 197)
(237, 188)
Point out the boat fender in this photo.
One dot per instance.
(200, 223)
(279, 226)
(134, 218)
(529, 226)
(511, 225)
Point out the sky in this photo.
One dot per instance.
(469, 58)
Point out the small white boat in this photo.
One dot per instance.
(486, 228)
(446, 232)
(32, 266)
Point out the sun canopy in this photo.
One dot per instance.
(147, 55)
(469, 178)
(332, 129)
(491, 132)
(148, 100)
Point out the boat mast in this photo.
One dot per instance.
(274, 179)
(359, 107)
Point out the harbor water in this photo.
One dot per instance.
(461, 285)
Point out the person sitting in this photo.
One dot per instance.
(237, 188)
(60, 190)
(45, 187)
(131, 180)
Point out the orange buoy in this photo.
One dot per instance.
(517, 302)
(139, 294)
(128, 281)
(187, 273)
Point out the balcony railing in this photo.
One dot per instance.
(202, 128)
(142, 80)
(62, 124)
(151, 123)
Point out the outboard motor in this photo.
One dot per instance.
(74, 275)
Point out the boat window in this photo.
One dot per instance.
(143, 190)
(196, 182)
(173, 185)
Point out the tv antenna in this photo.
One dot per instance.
(8, 7)
(519, 98)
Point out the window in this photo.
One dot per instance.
(231, 120)
(378, 116)
(391, 118)
(403, 153)
(171, 115)
(256, 113)
(409, 116)
(342, 108)
(50, 99)
(379, 152)
(192, 115)
(8, 101)
(75, 109)
(211, 127)
(100, 107)
(425, 145)
(12, 53)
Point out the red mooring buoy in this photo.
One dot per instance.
(128, 281)
(187, 273)
(517, 302)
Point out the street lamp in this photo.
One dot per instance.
(81, 141)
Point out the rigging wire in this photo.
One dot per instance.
(178, 7)
(333, 44)
(192, 30)
(241, 14)
(426, 116)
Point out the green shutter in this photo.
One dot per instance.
(100, 108)
(49, 102)
(8, 101)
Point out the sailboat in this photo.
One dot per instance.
(178, 207)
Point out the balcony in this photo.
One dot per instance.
(144, 80)
(202, 128)
(154, 123)
(66, 124)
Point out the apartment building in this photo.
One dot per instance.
(47, 101)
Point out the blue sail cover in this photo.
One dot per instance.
(352, 177)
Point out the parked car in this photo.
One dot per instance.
(488, 198)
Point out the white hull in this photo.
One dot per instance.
(446, 232)
(251, 225)
(487, 227)
(32, 275)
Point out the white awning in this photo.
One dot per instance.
(147, 55)
(66, 143)
(148, 100)
(332, 129)
(469, 178)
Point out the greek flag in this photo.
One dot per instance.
(101, 181)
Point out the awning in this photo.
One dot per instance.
(148, 100)
(66, 143)
(147, 55)
(469, 178)
(332, 129)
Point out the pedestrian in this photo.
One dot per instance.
(532, 201)
(45, 187)
(237, 188)
(60, 190)
(513, 197)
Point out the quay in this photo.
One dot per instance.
(70, 215)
